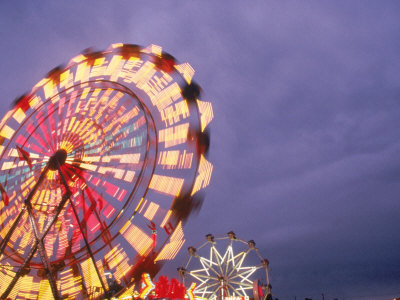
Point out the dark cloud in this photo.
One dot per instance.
(305, 140)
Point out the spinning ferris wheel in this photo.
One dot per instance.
(226, 267)
(99, 166)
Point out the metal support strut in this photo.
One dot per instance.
(38, 244)
(81, 229)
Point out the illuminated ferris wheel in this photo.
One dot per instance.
(226, 268)
(99, 166)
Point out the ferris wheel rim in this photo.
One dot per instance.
(148, 167)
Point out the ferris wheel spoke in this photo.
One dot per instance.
(202, 282)
(214, 291)
(52, 124)
(235, 291)
(46, 131)
(241, 256)
(199, 276)
(209, 267)
(218, 259)
(248, 284)
(209, 289)
(245, 273)
(230, 259)
(187, 264)
(209, 286)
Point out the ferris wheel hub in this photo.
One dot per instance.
(57, 159)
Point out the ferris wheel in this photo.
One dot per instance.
(226, 267)
(100, 164)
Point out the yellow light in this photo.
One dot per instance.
(78, 58)
(88, 167)
(203, 179)
(7, 132)
(89, 274)
(82, 73)
(175, 243)
(166, 218)
(66, 79)
(206, 112)
(116, 45)
(174, 135)
(69, 284)
(71, 122)
(174, 159)
(35, 102)
(41, 82)
(190, 291)
(142, 75)
(50, 89)
(166, 185)
(7, 165)
(168, 159)
(45, 290)
(186, 70)
(67, 146)
(114, 67)
(129, 176)
(139, 240)
(151, 211)
(85, 92)
(166, 97)
(99, 67)
(153, 49)
(147, 286)
(117, 258)
(175, 113)
(19, 115)
(138, 206)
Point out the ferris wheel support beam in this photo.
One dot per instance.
(42, 251)
(81, 229)
(88, 247)
(28, 199)
(34, 248)
(239, 264)
(38, 239)
(19, 272)
(218, 258)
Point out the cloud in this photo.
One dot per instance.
(305, 136)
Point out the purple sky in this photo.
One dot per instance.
(306, 135)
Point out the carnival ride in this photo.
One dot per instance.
(100, 164)
(226, 267)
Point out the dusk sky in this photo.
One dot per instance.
(306, 137)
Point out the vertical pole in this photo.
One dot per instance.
(222, 288)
